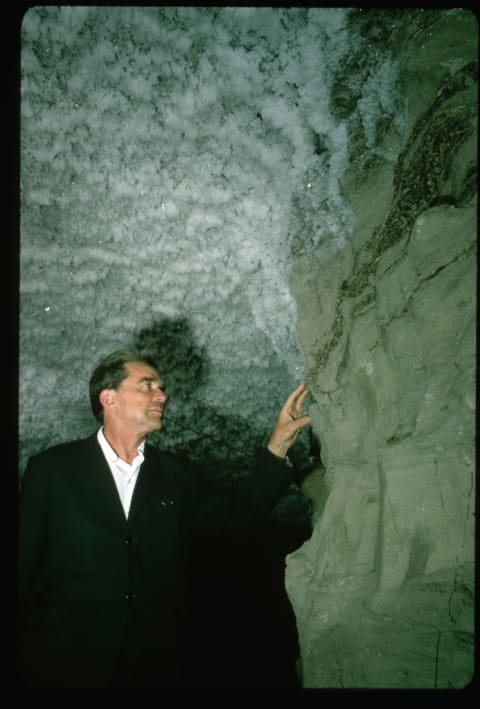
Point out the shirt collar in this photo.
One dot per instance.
(108, 451)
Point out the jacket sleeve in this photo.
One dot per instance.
(217, 506)
(32, 533)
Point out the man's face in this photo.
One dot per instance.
(139, 402)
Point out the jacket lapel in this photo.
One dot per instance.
(98, 485)
(143, 485)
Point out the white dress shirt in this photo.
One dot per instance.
(124, 474)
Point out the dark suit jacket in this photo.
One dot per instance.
(89, 578)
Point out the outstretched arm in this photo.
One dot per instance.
(289, 422)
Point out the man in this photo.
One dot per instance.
(104, 534)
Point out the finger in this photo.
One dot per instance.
(300, 422)
(294, 395)
(296, 409)
(301, 399)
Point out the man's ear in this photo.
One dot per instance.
(108, 399)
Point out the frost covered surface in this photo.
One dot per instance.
(163, 151)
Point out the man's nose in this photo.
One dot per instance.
(159, 395)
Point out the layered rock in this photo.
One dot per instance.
(383, 590)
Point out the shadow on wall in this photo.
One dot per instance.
(182, 363)
(224, 444)
(185, 367)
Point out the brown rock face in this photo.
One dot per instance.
(383, 590)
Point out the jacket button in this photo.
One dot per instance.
(130, 596)
(130, 540)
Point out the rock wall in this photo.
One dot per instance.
(383, 590)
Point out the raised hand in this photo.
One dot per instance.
(289, 422)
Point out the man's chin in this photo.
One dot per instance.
(156, 422)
